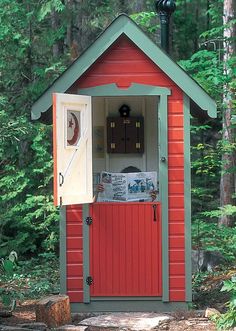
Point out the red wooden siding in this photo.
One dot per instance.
(125, 248)
(176, 200)
(124, 63)
(74, 246)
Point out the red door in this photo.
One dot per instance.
(125, 249)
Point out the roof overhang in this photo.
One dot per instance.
(201, 103)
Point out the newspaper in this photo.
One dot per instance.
(120, 187)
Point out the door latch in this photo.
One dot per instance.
(89, 280)
(154, 212)
(88, 220)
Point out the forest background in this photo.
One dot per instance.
(39, 39)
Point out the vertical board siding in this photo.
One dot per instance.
(74, 244)
(123, 64)
(125, 248)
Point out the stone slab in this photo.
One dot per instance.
(131, 321)
(71, 328)
(34, 326)
(12, 328)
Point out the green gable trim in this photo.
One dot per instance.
(124, 25)
(135, 89)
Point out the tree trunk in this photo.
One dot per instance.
(227, 184)
(69, 28)
(54, 310)
(57, 48)
(138, 6)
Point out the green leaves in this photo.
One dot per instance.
(49, 6)
(31, 278)
(227, 210)
(207, 69)
(147, 20)
(8, 266)
(228, 320)
(27, 215)
(229, 286)
(206, 235)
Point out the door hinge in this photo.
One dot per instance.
(89, 280)
(60, 201)
(89, 220)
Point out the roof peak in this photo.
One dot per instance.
(123, 24)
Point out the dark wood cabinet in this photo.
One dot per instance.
(125, 135)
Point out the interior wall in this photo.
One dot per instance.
(103, 107)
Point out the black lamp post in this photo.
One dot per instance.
(165, 8)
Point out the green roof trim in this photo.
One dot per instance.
(124, 25)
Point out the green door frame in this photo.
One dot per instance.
(139, 90)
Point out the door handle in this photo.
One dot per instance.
(154, 212)
(61, 179)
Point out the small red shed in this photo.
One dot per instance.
(124, 256)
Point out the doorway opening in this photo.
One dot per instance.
(144, 107)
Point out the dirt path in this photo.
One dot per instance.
(24, 313)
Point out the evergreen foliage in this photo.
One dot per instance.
(28, 219)
(227, 321)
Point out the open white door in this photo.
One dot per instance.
(72, 149)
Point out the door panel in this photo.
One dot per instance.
(115, 135)
(134, 135)
(72, 149)
(125, 249)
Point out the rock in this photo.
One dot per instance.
(13, 328)
(164, 326)
(34, 326)
(199, 313)
(206, 260)
(198, 319)
(211, 312)
(53, 311)
(190, 323)
(72, 328)
(78, 317)
(130, 321)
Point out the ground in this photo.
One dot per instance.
(192, 320)
(206, 294)
(24, 313)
